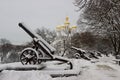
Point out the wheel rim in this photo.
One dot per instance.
(28, 57)
(40, 56)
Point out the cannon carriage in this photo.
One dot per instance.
(37, 53)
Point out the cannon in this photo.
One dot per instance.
(38, 52)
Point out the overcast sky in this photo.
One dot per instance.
(35, 14)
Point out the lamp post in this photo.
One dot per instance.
(64, 33)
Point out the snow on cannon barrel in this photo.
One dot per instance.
(37, 53)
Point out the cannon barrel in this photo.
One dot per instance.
(27, 30)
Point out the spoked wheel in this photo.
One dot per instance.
(28, 56)
(77, 55)
(41, 55)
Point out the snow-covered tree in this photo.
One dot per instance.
(103, 17)
(6, 46)
(46, 34)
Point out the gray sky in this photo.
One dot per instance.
(35, 14)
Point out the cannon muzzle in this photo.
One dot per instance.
(27, 30)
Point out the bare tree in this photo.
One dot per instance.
(46, 34)
(102, 15)
(6, 46)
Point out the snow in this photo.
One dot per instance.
(56, 42)
(102, 69)
(32, 75)
(78, 49)
(96, 71)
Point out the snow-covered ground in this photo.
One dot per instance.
(101, 69)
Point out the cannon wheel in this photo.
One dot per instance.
(41, 55)
(29, 56)
(77, 55)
